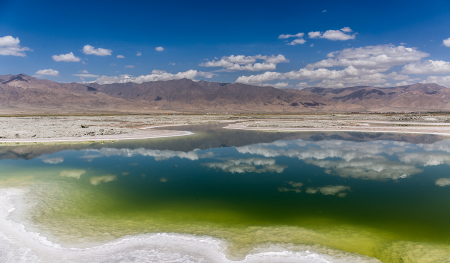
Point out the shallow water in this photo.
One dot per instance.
(224, 195)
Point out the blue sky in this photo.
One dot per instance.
(344, 43)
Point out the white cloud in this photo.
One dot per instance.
(299, 39)
(315, 34)
(241, 62)
(284, 36)
(312, 45)
(72, 173)
(376, 57)
(120, 56)
(86, 75)
(46, 72)
(83, 71)
(129, 66)
(95, 180)
(363, 66)
(333, 34)
(296, 42)
(138, 54)
(159, 48)
(427, 67)
(157, 75)
(277, 85)
(443, 182)
(69, 57)
(10, 46)
(446, 42)
(90, 50)
(52, 160)
(302, 85)
(444, 81)
(324, 11)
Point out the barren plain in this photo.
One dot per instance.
(36, 129)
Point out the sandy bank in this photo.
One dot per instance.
(344, 126)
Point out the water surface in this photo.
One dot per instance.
(340, 197)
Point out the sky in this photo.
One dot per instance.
(284, 44)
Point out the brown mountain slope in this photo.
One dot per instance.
(22, 94)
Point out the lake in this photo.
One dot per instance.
(228, 195)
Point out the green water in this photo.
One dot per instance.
(384, 196)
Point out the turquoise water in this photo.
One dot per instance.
(336, 195)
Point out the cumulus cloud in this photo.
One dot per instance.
(90, 50)
(69, 57)
(427, 67)
(248, 63)
(102, 179)
(120, 56)
(138, 54)
(443, 182)
(444, 80)
(284, 36)
(10, 46)
(46, 72)
(299, 39)
(86, 75)
(129, 66)
(277, 85)
(157, 75)
(248, 165)
(72, 173)
(371, 57)
(159, 48)
(446, 42)
(362, 66)
(52, 160)
(83, 71)
(296, 42)
(333, 34)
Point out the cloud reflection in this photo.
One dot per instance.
(159, 155)
(248, 166)
(102, 179)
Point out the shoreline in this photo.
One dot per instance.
(145, 133)
(16, 234)
(364, 129)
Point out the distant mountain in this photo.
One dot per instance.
(22, 94)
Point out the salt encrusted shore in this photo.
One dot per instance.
(86, 129)
(143, 134)
(441, 129)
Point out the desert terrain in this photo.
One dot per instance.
(47, 129)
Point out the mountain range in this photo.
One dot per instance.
(23, 94)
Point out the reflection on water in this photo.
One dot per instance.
(379, 195)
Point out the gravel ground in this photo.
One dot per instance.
(88, 127)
